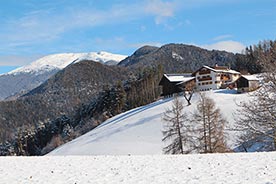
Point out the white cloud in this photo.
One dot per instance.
(188, 22)
(161, 10)
(139, 45)
(42, 26)
(230, 46)
(222, 37)
(143, 28)
(14, 60)
(118, 43)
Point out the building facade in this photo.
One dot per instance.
(211, 78)
(247, 83)
(175, 83)
(204, 79)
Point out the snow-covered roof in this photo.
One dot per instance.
(186, 80)
(179, 77)
(222, 70)
(251, 77)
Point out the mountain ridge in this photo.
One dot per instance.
(61, 60)
(23, 79)
(177, 58)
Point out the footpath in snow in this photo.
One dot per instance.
(232, 168)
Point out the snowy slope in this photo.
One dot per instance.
(138, 131)
(233, 168)
(60, 61)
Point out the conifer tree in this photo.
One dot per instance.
(209, 127)
(175, 129)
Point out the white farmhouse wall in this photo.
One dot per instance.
(214, 79)
(206, 84)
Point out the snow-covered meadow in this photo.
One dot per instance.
(139, 131)
(232, 168)
(129, 150)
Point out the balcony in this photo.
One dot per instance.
(204, 72)
(204, 79)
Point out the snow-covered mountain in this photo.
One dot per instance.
(138, 131)
(60, 61)
(25, 78)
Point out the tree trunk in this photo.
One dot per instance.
(179, 134)
(274, 140)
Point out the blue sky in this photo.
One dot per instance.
(31, 29)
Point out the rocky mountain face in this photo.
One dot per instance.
(177, 58)
(23, 79)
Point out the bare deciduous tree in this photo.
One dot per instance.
(209, 127)
(188, 91)
(175, 128)
(257, 117)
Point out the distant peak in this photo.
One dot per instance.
(61, 60)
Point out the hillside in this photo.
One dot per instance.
(138, 131)
(177, 58)
(62, 94)
(25, 78)
(84, 94)
(230, 168)
(13, 86)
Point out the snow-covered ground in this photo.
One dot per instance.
(60, 61)
(138, 131)
(232, 168)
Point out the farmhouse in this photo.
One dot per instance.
(247, 83)
(175, 83)
(207, 78)
(203, 79)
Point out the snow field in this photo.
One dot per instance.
(232, 168)
(139, 131)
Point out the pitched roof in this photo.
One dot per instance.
(186, 80)
(222, 69)
(250, 77)
(178, 77)
(218, 70)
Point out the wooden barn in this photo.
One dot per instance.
(175, 83)
(247, 83)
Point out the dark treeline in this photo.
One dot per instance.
(39, 139)
(252, 62)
